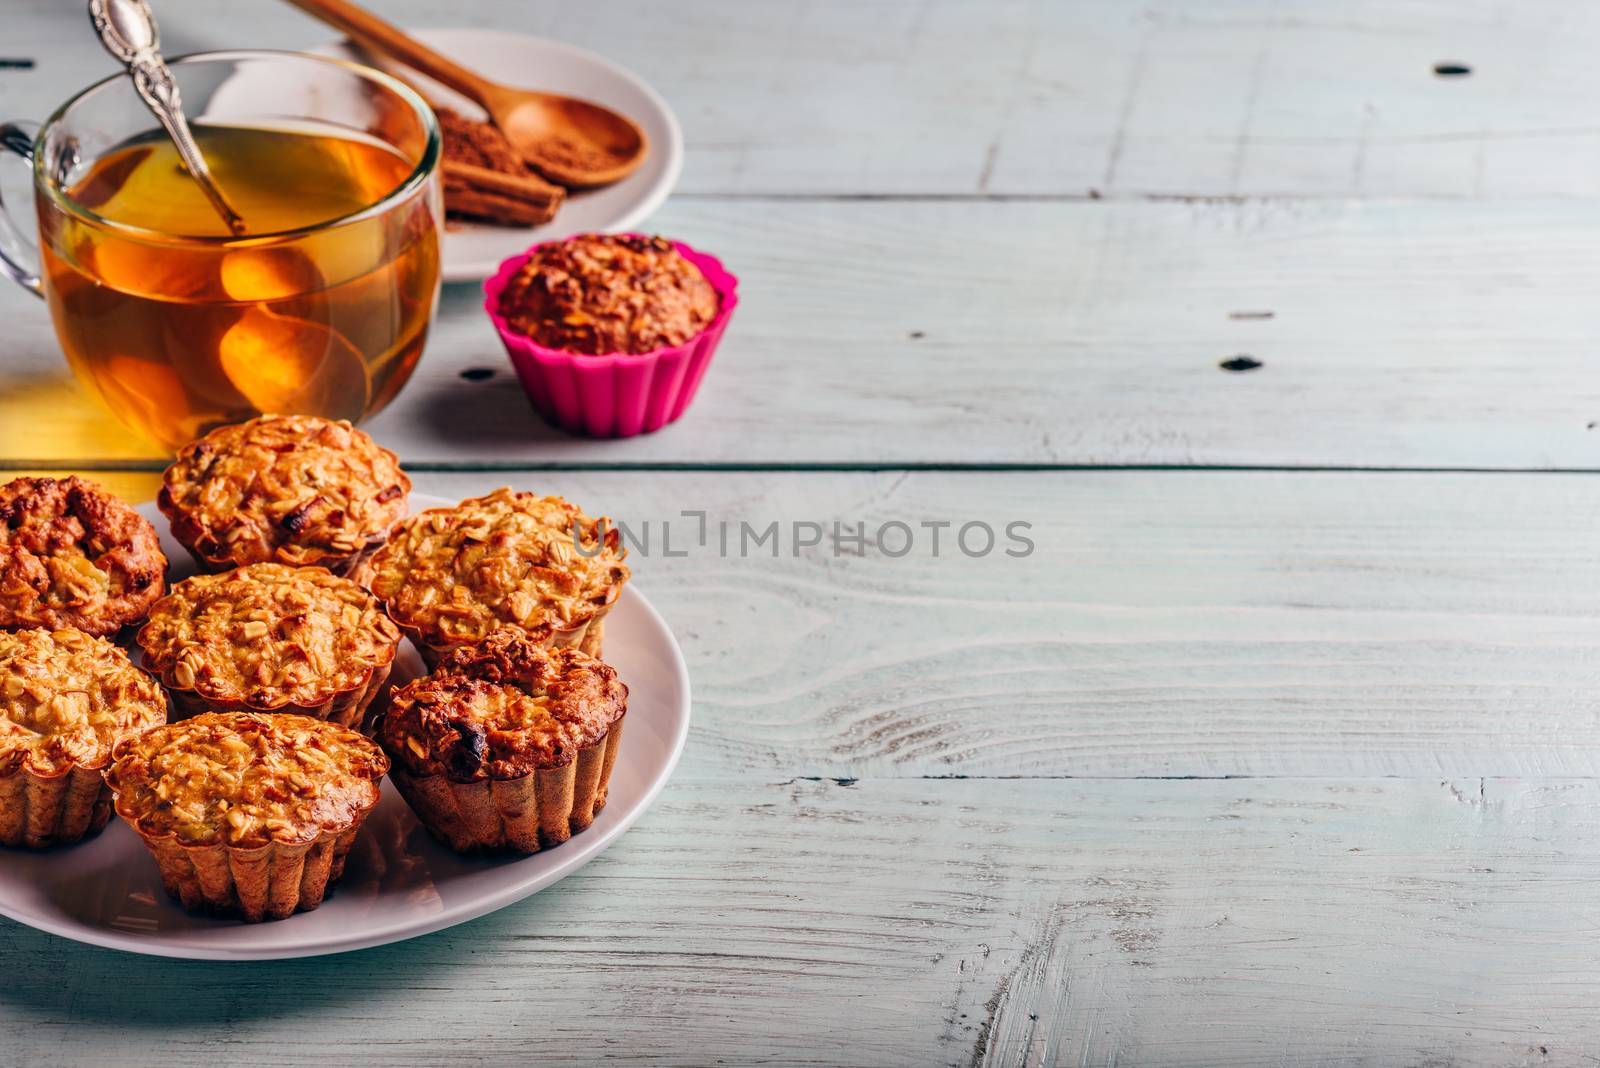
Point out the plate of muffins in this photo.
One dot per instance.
(347, 716)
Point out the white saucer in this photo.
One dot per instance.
(398, 883)
(473, 252)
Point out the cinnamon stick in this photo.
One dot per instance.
(523, 200)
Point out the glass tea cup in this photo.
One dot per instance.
(321, 307)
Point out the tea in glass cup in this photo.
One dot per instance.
(321, 306)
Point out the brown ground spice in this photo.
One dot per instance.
(478, 143)
(569, 155)
(469, 143)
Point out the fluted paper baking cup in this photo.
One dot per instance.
(522, 815)
(269, 882)
(37, 811)
(585, 636)
(616, 395)
(343, 566)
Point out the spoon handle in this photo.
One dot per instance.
(369, 30)
(154, 84)
(127, 29)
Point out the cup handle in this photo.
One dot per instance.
(17, 138)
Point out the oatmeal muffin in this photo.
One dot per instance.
(508, 746)
(66, 698)
(247, 814)
(72, 555)
(292, 489)
(270, 638)
(596, 293)
(450, 576)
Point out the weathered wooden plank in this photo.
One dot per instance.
(975, 97)
(1401, 335)
(1260, 922)
(821, 98)
(1417, 334)
(1174, 623)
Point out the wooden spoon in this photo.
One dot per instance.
(569, 141)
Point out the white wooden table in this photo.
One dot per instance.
(1281, 748)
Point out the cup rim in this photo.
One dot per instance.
(424, 169)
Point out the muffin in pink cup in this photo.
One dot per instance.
(611, 334)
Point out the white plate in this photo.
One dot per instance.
(398, 882)
(473, 252)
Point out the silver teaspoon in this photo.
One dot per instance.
(127, 28)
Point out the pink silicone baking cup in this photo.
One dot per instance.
(616, 395)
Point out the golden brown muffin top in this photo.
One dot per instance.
(502, 709)
(72, 555)
(598, 293)
(66, 698)
(291, 488)
(268, 635)
(246, 779)
(452, 575)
